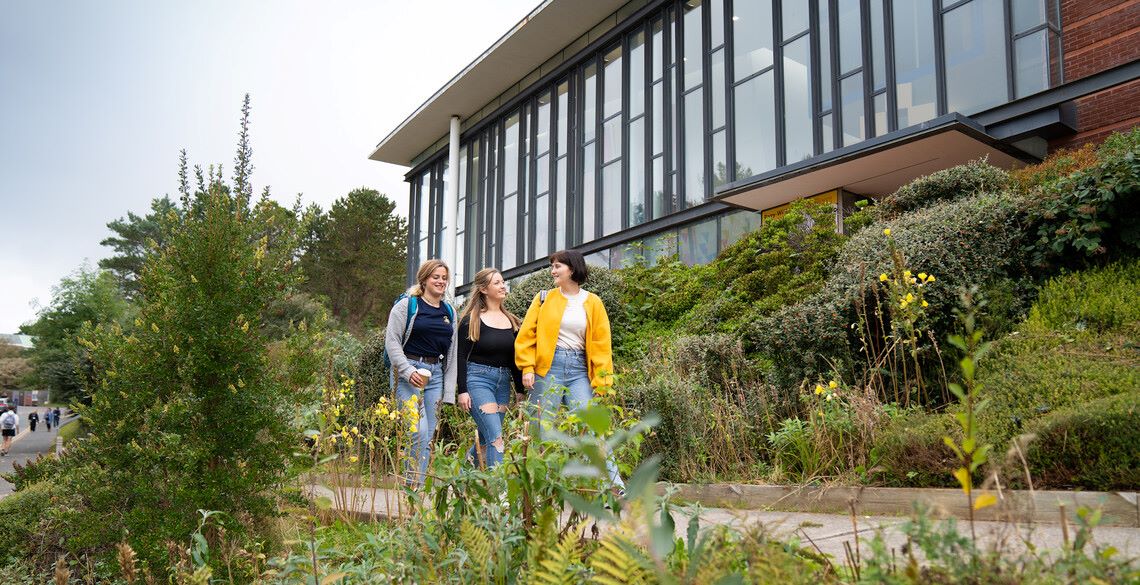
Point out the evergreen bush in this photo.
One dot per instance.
(1092, 445)
(946, 185)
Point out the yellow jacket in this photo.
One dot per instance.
(534, 345)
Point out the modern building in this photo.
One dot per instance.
(675, 124)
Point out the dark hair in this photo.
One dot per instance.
(576, 262)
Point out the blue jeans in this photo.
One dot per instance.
(490, 390)
(429, 397)
(567, 383)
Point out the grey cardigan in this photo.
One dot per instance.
(396, 335)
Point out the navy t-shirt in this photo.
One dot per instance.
(431, 331)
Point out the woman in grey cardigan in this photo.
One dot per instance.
(422, 349)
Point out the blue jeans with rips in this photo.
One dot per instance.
(490, 390)
(420, 449)
(567, 383)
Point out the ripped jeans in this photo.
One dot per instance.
(490, 390)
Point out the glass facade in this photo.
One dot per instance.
(653, 117)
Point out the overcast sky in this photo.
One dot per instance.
(97, 99)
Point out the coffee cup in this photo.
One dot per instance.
(425, 375)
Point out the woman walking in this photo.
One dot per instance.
(419, 340)
(487, 364)
(563, 346)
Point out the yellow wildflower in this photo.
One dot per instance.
(833, 384)
(412, 428)
(887, 232)
(176, 348)
(906, 274)
(902, 304)
(883, 277)
(355, 430)
(193, 279)
(818, 389)
(245, 327)
(922, 276)
(392, 415)
(925, 304)
(154, 327)
(353, 459)
(232, 389)
(930, 278)
(909, 298)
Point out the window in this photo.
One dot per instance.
(974, 44)
(915, 86)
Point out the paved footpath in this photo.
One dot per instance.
(827, 532)
(28, 445)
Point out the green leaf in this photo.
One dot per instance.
(644, 476)
(953, 447)
(323, 503)
(592, 508)
(598, 418)
(957, 391)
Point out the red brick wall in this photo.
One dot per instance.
(1099, 35)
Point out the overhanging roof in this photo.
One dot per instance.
(877, 166)
(548, 28)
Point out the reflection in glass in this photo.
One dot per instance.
(541, 227)
(751, 37)
(851, 92)
(878, 52)
(850, 35)
(658, 117)
(611, 139)
(824, 60)
(720, 159)
(637, 172)
(637, 75)
(915, 89)
(1027, 14)
(694, 149)
(542, 174)
(612, 88)
(755, 127)
(542, 139)
(658, 47)
(736, 225)
(797, 100)
(563, 111)
(1030, 53)
(588, 199)
(658, 209)
(716, 23)
(510, 232)
(692, 45)
(880, 114)
(589, 103)
(560, 205)
(795, 17)
(511, 156)
(697, 242)
(828, 131)
(717, 88)
(975, 56)
(611, 198)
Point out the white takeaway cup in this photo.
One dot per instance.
(425, 375)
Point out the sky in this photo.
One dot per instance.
(98, 98)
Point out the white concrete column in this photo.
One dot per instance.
(450, 200)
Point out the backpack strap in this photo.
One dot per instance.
(542, 296)
(413, 306)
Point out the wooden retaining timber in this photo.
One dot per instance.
(1041, 506)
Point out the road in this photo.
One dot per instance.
(28, 445)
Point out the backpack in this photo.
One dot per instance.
(8, 421)
(413, 306)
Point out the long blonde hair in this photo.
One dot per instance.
(475, 307)
(424, 273)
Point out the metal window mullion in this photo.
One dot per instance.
(836, 95)
(531, 187)
(939, 56)
(868, 68)
(751, 76)
(678, 102)
(624, 150)
(1011, 82)
(954, 5)
(706, 99)
(778, 84)
(599, 138)
(814, 78)
(891, 82)
(522, 200)
(729, 95)
(1032, 31)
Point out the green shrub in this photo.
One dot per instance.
(1092, 301)
(911, 452)
(804, 341)
(21, 515)
(1061, 163)
(1090, 213)
(1092, 445)
(44, 467)
(947, 185)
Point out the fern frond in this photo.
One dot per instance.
(618, 562)
(477, 543)
(557, 567)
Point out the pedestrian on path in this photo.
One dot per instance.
(9, 424)
(55, 416)
(564, 348)
(33, 420)
(47, 419)
(487, 364)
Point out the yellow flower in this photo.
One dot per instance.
(245, 327)
(906, 274)
(930, 279)
(883, 277)
(241, 383)
(154, 327)
(821, 413)
(392, 415)
(833, 384)
(818, 389)
(412, 428)
(925, 304)
(176, 348)
(902, 304)
(355, 430)
(332, 439)
(887, 232)
(414, 398)
(193, 279)
(232, 389)
(353, 459)
(909, 298)
(922, 276)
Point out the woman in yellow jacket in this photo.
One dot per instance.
(563, 346)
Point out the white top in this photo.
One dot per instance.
(572, 333)
(15, 419)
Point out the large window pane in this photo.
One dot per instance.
(658, 117)
(561, 208)
(751, 36)
(542, 174)
(542, 138)
(1030, 53)
(511, 156)
(694, 149)
(878, 42)
(797, 100)
(975, 56)
(692, 45)
(716, 23)
(827, 129)
(612, 64)
(915, 89)
(720, 160)
(510, 232)
(851, 89)
(563, 114)
(589, 103)
(755, 127)
(637, 172)
(658, 48)
(880, 114)
(850, 35)
(588, 191)
(735, 225)
(637, 75)
(824, 59)
(541, 227)
(611, 198)
(611, 139)
(795, 17)
(658, 209)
